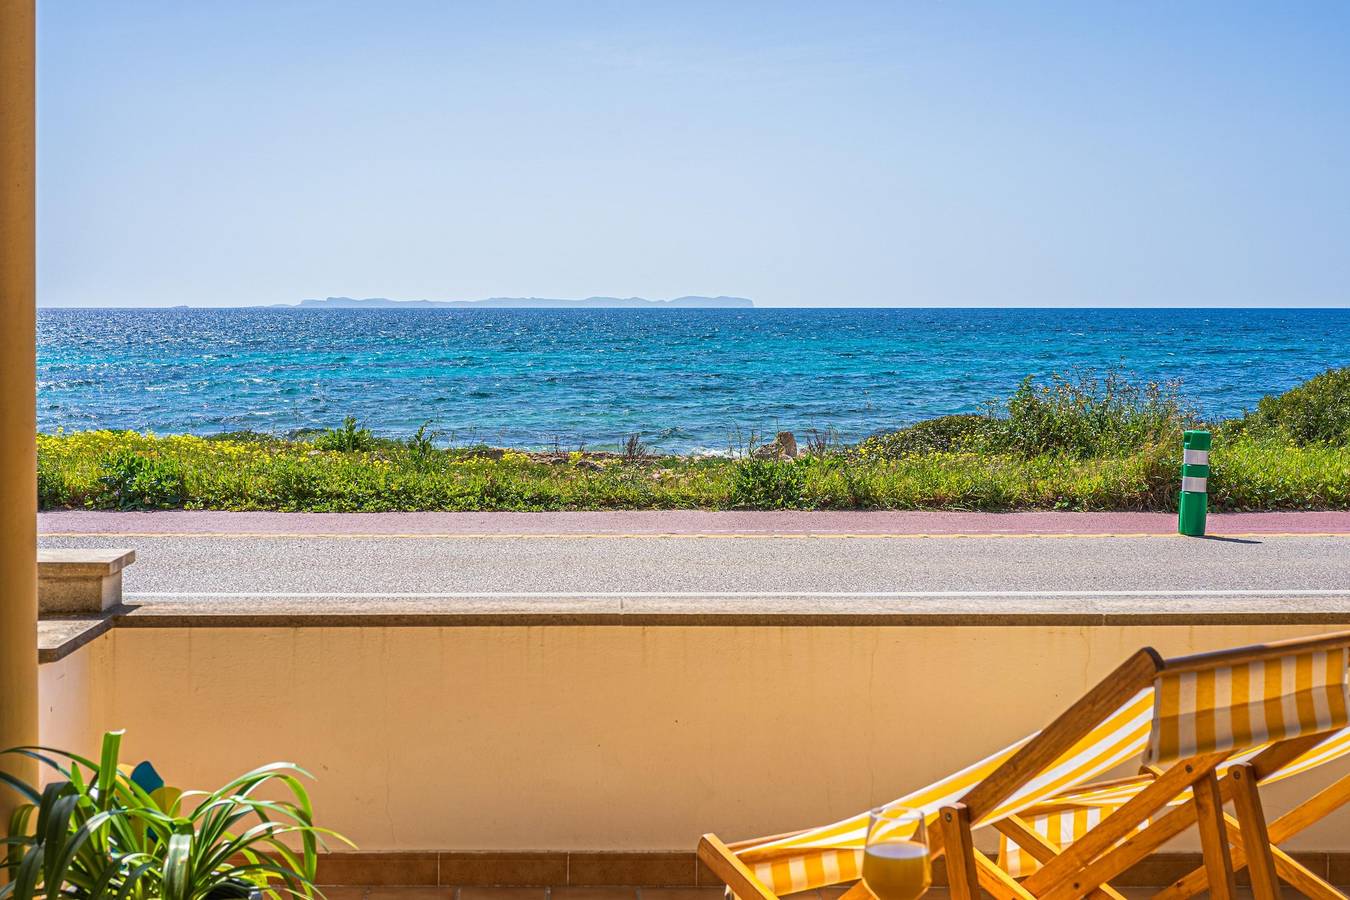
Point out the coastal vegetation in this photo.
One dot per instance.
(1066, 442)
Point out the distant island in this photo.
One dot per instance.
(523, 303)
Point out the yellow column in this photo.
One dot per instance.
(18, 379)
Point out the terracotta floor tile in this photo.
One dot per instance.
(680, 893)
(704, 876)
(593, 893)
(503, 893)
(1158, 870)
(411, 893)
(507, 868)
(344, 892)
(378, 868)
(1313, 862)
(631, 869)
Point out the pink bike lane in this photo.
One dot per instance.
(692, 522)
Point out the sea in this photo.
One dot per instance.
(687, 380)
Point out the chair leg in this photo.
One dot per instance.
(1291, 872)
(1309, 812)
(1214, 838)
(1255, 837)
(998, 883)
(735, 874)
(963, 880)
(859, 891)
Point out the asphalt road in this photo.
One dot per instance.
(804, 570)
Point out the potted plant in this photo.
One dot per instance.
(101, 831)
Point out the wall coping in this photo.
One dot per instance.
(58, 637)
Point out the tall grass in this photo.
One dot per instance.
(1089, 416)
(1082, 415)
(89, 470)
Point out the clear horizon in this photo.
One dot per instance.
(866, 155)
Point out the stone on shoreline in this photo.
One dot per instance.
(784, 446)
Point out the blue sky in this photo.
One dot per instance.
(821, 154)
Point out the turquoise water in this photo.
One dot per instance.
(686, 379)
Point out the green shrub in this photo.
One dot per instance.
(351, 437)
(1089, 417)
(51, 487)
(421, 447)
(1316, 411)
(132, 480)
(941, 435)
(769, 483)
(294, 482)
(1084, 416)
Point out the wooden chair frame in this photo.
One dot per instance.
(1297, 876)
(1137, 828)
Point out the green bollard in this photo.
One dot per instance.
(1194, 483)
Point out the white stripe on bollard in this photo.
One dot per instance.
(1193, 484)
(1195, 457)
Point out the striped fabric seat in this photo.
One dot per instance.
(833, 853)
(1066, 817)
(1247, 705)
(1060, 828)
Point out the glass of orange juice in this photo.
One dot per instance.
(896, 863)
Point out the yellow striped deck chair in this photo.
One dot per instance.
(1069, 815)
(1260, 713)
(1319, 688)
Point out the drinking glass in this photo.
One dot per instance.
(896, 863)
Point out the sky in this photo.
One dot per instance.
(800, 154)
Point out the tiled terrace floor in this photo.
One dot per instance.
(354, 892)
(529, 893)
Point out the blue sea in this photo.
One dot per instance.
(688, 380)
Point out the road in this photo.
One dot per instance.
(1061, 563)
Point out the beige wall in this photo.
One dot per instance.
(593, 738)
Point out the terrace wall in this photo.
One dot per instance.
(596, 737)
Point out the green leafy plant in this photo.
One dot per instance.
(132, 480)
(769, 483)
(351, 437)
(941, 435)
(55, 850)
(421, 447)
(50, 484)
(98, 834)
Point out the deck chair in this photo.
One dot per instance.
(1260, 713)
(1043, 831)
